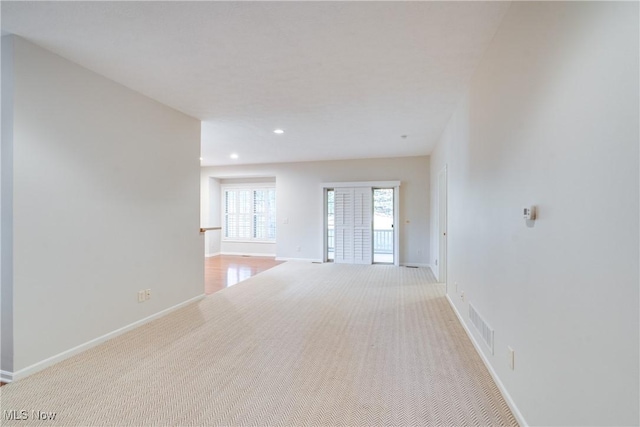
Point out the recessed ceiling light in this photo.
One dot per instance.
(278, 131)
(200, 158)
(234, 156)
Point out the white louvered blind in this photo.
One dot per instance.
(264, 214)
(250, 214)
(353, 215)
(237, 214)
(343, 205)
(362, 217)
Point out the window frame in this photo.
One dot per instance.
(252, 188)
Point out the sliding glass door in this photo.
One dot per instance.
(359, 225)
(383, 226)
(329, 235)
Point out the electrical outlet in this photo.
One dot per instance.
(455, 286)
(147, 294)
(141, 296)
(299, 248)
(462, 295)
(436, 262)
(511, 357)
(419, 251)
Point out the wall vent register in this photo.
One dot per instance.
(483, 328)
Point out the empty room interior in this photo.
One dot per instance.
(442, 197)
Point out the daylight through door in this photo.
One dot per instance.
(383, 227)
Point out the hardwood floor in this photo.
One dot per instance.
(223, 271)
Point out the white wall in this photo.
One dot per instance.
(6, 214)
(105, 204)
(210, 216)
(551, 119)
(299, 199)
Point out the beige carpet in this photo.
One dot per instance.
(300, 344)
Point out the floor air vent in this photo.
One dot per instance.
(486, 332)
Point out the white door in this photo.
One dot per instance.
(442, 226)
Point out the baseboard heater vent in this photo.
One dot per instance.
(486, 332)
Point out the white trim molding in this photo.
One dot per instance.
(501, 387)
(414, 264)
(6, 377)
(372, 184)
(22, 373)
(210, 255)
(319, 260)
(247, 254)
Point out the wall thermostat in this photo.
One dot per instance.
(529, 213)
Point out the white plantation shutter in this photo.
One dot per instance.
(264, 214)
(343, 225)
(244, 214)
(362, 217)
(259, 214)
(353, 214)
(250, 214)
(230, 210)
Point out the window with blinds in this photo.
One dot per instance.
(250, 214)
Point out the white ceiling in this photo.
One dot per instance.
(343, 79)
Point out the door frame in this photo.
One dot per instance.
(371, 184)
(443, 237)
(395, 225)
(325, 225)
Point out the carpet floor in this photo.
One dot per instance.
(300, 344)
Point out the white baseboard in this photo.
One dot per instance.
(413, 264)
(210, 255)
(299, 259)
(6, 377)
(22, 373)
(247, 254)
(507, 397)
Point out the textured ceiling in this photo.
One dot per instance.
(343, 79)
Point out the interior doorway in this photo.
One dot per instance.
(383, 226)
